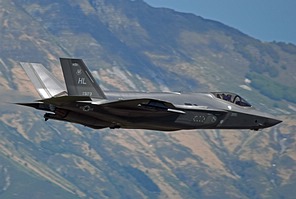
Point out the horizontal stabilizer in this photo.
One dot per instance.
(37, 105)
(65, 100)
(45, 83)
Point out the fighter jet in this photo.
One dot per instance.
(84, 102)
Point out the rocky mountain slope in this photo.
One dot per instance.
(129, 45)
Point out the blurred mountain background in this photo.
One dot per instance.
(129, 45)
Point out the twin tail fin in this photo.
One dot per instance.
(79, 80)
(45, 83)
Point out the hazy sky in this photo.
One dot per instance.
(267, 20)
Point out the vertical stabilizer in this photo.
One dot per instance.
(79, 80)
(45, 83)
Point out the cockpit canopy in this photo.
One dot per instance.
(233, 98)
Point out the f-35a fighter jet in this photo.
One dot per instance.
(84, 102)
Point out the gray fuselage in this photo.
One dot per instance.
(166, 111)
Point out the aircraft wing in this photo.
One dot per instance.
(145, 104)
(130, 104)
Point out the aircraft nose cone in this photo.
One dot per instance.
(271, 122)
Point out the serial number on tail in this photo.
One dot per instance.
(87, 93)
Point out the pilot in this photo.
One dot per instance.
(223, 96)
(239, 102)
(226, 97)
